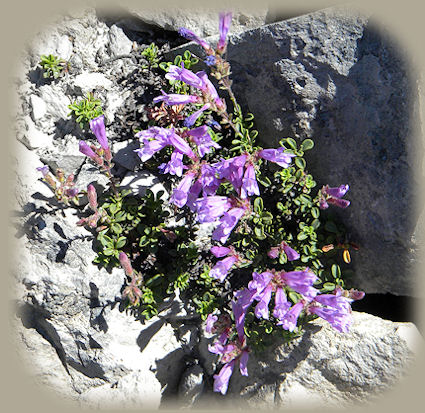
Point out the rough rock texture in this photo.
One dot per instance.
(203, 22)
(69, 322)
(337, 78)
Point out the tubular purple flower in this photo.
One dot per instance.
(185, 75)
(207, 86)
(179, 196)
(175, 99)
(154, 139)
(301, 282)
(277, 156)
(289, 320)
(220, 252)
(210, 60)
(232, 170)
(341, 203)
(208, 180)
(189, 35)
(338, 302)
(203, 140)
(227, 222)
(281, 304)
(273, 253)
(190, 120)
(86, 150)
(259, 282)
(221, 380)
(212, 207)
(243, 363)
(181, 145)
(244, 299)
(249, 185)
(339, 320)
(222, 268)
(71, 192)
(337, 192)
(43, 169)
(97, 125)
(262, 308)
(175, 166)
(291, 254)
(211, 319)
(193, 194)
(225, 20)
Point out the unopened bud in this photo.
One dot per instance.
(125, 263)
(92, 196)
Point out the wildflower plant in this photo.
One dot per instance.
(85, 110)
(272, 264)
(52, 66)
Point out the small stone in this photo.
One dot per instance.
(38, 107)
(191, 384)
(34, 138)
(124, 154)
(89, 81)
(119, 43)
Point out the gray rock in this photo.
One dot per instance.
(325, 368)
(39, 108)
(124, 154)
(119, 43)
(86, 82)
(33, 137)
(202, 22)
(336, 77)
(191, 384)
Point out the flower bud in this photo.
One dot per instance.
(91, 194)
(125, 263)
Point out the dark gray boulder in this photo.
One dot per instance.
(336, 77)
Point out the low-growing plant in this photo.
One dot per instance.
(84, 110)
(273, 236)
(151, 55)
(52, 66)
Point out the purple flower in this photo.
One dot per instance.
(249, 183)
(208, 180)
(190, 120)
(333, 195)
(289, 320)
(176, 99)
(262, 308)
(181, 145)
(211, 319)
(193, 195)
(230, 353)
(71, 192)
(281, 304)
(212, 207)
(189, 35)
(180, 194)
(339, 320)
(92, 197)
(221, 380)
(301, 282)
(227, 222)
(203, 140)
(97, 125)
(291, 254)
(232, 170)
(244, 299)
(220, 252)
(175, 166)
(125, 264)
(336, 301)
(221, 268)
(86, 150)
(185, 75)
(209, 89)
(43, 169)
(153, 139)
(277, 156)
(210, 60)
(225, 20)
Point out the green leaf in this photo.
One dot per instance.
(336, 271)
(327, 287)
(291, 142)
(302, 236)
(258, 205)
(331, 227)
(300, 162)
(259, 232)
(264, 180)
(315, 212)
(307, 144)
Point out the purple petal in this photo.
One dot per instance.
(337, 192)
(249, 183)
(97, 125)
(181, 145)
(185, 75)
(180, 194)
(211, 319)
(176, 99)
(189, 35)
(291, 254)
(281, 304)
(220, 252)
(225, 20)
(289, 320)
(260, 281)
(222, 268)
(190, 120)
(342, 203)
(228, 222)
(221, 380)
(340, 303)
(278, 156)
(86, 150)
(262, 308)
(243, 363)
(43, 169)
(339, 320)
(212, 207)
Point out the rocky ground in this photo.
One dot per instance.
(328, 75)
